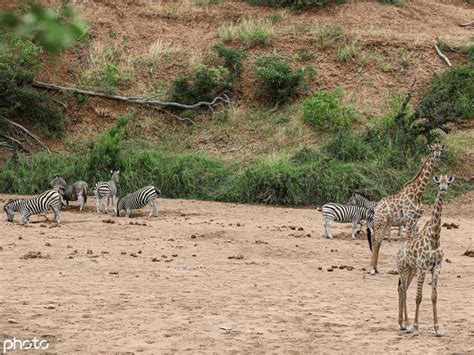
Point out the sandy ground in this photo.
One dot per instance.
(240, 267)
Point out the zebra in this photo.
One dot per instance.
(345, 214)
(139, 199)
(359, 200)
(74, 192)
(106, 190)
(30, 206)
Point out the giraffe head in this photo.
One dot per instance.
(436, 150)
(443, 182)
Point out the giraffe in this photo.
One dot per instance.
(417, 256)
(403, 208)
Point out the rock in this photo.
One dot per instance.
(300, 228)
(350, 268)
(320, 268)
(134, 255)
(469, 253)
(90, 252)
(13, 321)
(1, 248)
(164, 256)
(47, 244)
(363, 269)
(448, 261)
(292, 227)
(113, 272)
(174, 255)
(194, 255)
(392, 272)
(237, 257)
(459, 276)
(330, 269)
(154, 260)
(139, 252)
(20, 238)
(110, 220)
(50, 306)
(193, 236)
(123, 252)
(168, 260)
(308, 235)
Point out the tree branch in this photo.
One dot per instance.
(223, 98)
(441, 54)
(27, 133)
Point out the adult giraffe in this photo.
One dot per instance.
(403, 208)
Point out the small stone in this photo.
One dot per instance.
(50, 306)
(89, 252)
(123, 252)
(164, 256)
(320, 267)
(350, 268)
(20, 238)
(308, 235)
(13, 321)
(42, 225)
(113, 272)
(174, 255)
(292, 228)
(194, 255)
(448, 261)
(134, 255)
(237, 257)
(330, 270)
(193, 236)
(139, 252)
(47, 244)
(363, 269)
(154, 260)
(459, 276)
(300, 228)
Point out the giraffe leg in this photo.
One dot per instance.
(411, 274)
(402, 288)
(380, 229)
(389, 234)
(434, 298)
(419, 296)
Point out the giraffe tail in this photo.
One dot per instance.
(369, 238)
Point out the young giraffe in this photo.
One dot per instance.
(417, 256)
(404, 208)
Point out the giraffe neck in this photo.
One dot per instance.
(418, 184)
(435, 222)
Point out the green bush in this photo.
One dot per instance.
(448, 98)
(470, 50)
(277, 82)
(232, 58)
(18, 66)
(202, 85)
(323, 109)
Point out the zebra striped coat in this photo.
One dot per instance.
(346, 214)
(139, 199)
(359, 200)
(40, 204)
(106, 191)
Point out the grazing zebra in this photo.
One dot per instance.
(359, 200)
(30, 206)
(139, 199)
(74, 192)
(106, 191)
(345, 214)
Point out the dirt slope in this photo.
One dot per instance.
(274, 298)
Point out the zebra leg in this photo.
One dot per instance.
(97, 203)
(24, 218)
(154, 209)
(113, 204)
(327, 227)
(354, 226)
(81, 202)
(57, 214)
(128, 212)
(107, 204)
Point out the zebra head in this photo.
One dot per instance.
(115, 176)
(10, 208)
(120, 206)
(57, 181)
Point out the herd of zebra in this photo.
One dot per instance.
(356, 210)
(61, 193)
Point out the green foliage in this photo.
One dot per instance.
(204, 84)
(448, 98)
(323, 110)
(110, 79)
(470, 50)
(232, 58)
(54, 30)
(393, 2)
(277, 81)
(18, 66)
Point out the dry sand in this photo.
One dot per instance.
(239, 267)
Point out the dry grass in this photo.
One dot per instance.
(158, 52)
(250, 32)
(326, 34)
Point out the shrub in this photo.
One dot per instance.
(470, 50)
(325, 34)
(448, 98)
(346, 52)
(349, 147)
(202, 85)
(323, 109)
(251, 33)
(232, 58)
(277, 82)
(18, 66)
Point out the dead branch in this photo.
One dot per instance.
(401, 113)
(176, 116)
(441, 54)
(26, 132)
(467, 24)
(275, 108)
(134, 100)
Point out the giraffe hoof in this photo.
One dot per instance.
(439, 333)
(372, 272)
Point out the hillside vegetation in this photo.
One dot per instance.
(318, 99)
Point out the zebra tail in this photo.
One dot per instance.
(369, 238)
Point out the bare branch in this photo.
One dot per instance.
(467, 24)
(134, 100)
(27, 132)
(441, 54)
(176, 116)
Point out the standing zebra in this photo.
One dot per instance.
(74, 192)
(359, 200)
(30, 206)
(106, 191)
(139, 199)
(345, 214)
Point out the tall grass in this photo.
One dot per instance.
(250, 32)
